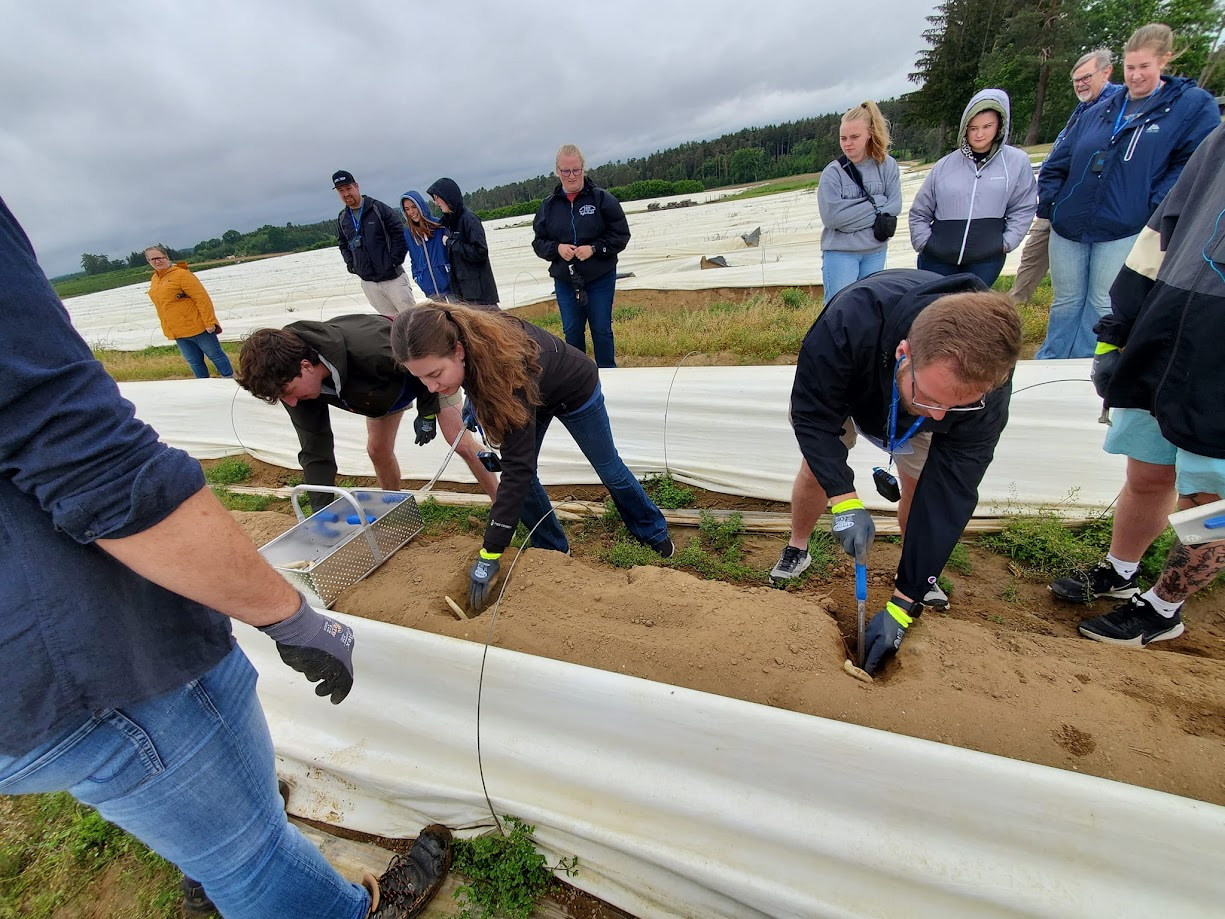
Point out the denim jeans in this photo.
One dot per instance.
(839, 269)
(196, 347)
(191, 773)
(1081, 275)
(987, 270)
(590, 429)
(597, 313)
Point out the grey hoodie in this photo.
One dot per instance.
(968, 212)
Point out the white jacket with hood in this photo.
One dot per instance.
(967, 211)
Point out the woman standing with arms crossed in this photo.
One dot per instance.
(855, 188)
(519, 378)
(1100, 185)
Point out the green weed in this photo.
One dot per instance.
(229, 471)
(666, 492)
(234, 501)
(793, 298)
(959, 560)
(1044, 547)
(441, 518)
(627, 552)
(506, 874)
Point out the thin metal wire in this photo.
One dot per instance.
(668, 405)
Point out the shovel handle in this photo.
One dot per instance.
(861, 582)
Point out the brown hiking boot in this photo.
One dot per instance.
(412, 879)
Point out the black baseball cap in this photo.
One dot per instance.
(343, 177)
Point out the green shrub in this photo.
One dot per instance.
(1042, 545)
(234, 501)
(505, 872)
(666, 492)
(793, 298)
(229, 471)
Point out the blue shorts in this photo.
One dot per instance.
(1199, 474)
(1134, 433)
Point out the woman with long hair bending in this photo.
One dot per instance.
(855, 188)
(519, 377)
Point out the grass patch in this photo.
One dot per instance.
(236, 501)
(107, 280)
(666, 492)
(506, 875)
(441, 518)
(959, 560)
(773, 188)
(1034, 315)
(229, 471)
(157, 362)
(54, 851)
(1044, 547)
(717, 555)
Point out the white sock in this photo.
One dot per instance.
(1165, 607)
(1125, 569)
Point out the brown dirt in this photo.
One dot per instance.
(1003, 672)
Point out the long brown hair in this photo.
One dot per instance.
(422, 230)
(501, 370)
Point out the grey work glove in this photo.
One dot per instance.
(317, 646)
(481, 576)
(886, 630)
(426, 427)
(469, 415)
(853, 527)
(1105, 363)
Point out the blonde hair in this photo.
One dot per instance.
(878, 128)
(1156, 36)
(569, 150)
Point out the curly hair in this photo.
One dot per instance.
(977, 332)
(501, 370)
(269, 359)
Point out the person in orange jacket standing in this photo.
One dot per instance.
(186, 313)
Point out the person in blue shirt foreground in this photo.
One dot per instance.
(123, 683)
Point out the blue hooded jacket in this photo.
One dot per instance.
(431, 269)
(1106, 177)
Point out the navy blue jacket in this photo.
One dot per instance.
(381, 254)
(1139, 163)
(594, 218)
(80, 632)
(846, 370)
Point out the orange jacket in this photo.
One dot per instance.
(182, 303)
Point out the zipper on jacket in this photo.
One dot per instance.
(969, 216)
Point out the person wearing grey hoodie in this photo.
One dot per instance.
(977, 202)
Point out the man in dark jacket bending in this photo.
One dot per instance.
(921, 365)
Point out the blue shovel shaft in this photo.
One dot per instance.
(861, 600)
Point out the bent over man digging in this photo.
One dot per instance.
(921, 365)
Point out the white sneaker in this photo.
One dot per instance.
(936, 598)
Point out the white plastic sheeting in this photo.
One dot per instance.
(664, 253)
(721, 428)
(680, 804)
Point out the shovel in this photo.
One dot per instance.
(861, 600)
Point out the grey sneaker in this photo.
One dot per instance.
(1133, 623)
(936, 598)
(791, 564)
(1102, 581)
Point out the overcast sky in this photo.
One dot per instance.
(125, 124)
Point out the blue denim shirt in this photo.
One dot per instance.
(80, 632)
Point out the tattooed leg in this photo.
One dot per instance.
(1190, 568)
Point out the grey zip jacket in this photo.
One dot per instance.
(968, 212)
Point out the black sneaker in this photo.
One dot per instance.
(1102, 581)
(791, 564)
(665, 548)
(1133, 623)
(412, 879)
(195, 901)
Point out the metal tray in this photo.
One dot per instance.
(334, 548)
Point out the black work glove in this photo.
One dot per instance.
(426, 427)
(886, 630)
(1105, 363)
(469, 415)
(853, 527)
(317, 646)
(481, 576)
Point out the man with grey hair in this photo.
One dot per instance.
(1091, 84)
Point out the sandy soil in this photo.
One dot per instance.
(1003, 672)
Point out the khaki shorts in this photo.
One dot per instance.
(909, 463)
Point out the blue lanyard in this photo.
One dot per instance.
(357, 221)
(895, 445)
(1120, 123)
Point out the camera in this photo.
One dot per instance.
(886, 484)
(579, 285)
(355, 243)
(489, 460)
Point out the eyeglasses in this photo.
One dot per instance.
(159, 258)
(568, 173)
(914, 398)
(1084, 81)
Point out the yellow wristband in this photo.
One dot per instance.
(848, 505)
(903, 619)
(490, 556)
(1104, 348)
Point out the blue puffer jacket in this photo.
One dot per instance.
(1105, 179)
(431, 269)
